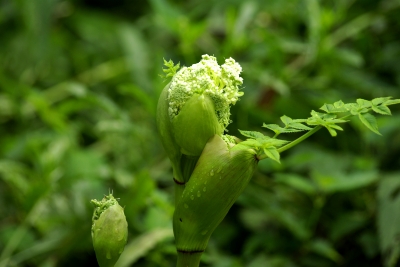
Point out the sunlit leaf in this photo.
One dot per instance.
(331, 131)
(251, 134)
(272, 153)
(278, 130)
(380, 100)
(381, 109)
(370, 122)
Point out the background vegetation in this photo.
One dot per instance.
(79, 86)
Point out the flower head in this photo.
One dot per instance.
(220, 83)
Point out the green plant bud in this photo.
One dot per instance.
(109, 231)
(195, 124)
(165, 129)
(199, 99)
(220, 176)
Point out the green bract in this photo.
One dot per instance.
(220, 176)
(199, 114)
(109, 230)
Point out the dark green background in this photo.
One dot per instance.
(79, 83)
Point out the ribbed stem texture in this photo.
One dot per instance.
(188, 259)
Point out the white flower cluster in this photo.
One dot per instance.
(220, 83)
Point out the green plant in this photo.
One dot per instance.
(79, 88)
(109, 230)
(211, 169)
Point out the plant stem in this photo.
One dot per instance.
(300, 139)
(188, 259)
(178, 191)
(187, 164)
(294, 142)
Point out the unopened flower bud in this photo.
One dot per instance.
(109, 231)
(199, 98)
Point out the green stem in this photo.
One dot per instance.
(300, 139)
(186, 259)
(187, 165)
(178, 191)
(294, 142)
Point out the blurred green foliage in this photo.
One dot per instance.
(78, 90)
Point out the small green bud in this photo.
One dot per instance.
(109, 230)
(220, 176)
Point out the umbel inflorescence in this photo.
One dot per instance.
(206, 78)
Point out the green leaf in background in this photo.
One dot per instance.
(298, 182)
(325, 249)
(388, 218)
(340, 182)
(141, 245)
(79, 83)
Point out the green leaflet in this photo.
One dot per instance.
(381, 109)
(392, 102)
(262, 144)
(291, 126)
(369, 121)
(326, 120)
(360, 109)
(170, 69)
(278, 130)
(252, 134)
(295, 124)
(336, 107)
(272, 153)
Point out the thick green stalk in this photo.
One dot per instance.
(186, 259)
(179, 187)
(220, 176)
